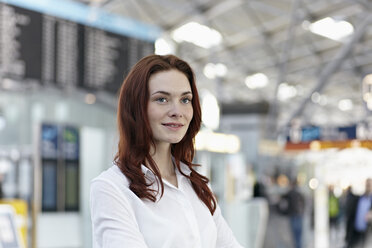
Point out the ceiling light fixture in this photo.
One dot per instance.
(286, 92)
(333, 29)
(345, 105)
(255, 81)
(212, 71)
(163, 47)
(197, 34)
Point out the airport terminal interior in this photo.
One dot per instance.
(286, 96)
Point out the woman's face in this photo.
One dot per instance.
(169, 108)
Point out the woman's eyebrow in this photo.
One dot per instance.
(168, 94)
(161, 92)
(186, 93)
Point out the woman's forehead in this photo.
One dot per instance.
(169, 81)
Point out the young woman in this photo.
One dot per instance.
(152, 196)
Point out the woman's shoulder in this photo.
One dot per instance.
(112, 176)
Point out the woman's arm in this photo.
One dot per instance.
(113, 220)
(225, 237)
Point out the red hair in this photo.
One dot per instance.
(136, 136)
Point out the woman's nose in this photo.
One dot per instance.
(175, 110)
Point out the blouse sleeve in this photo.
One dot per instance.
(113, 220)
(225, 237)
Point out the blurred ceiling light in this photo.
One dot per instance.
(209, 71)
(331, 28)
(367, 90)
(220, 70)
(286, 92)
(90, 98)
(217, 142)
(255, 81)
(212, 71)
(210, 110)
(163, 47)
(197, 34)
(323, 100)
(345, 105)
(315, 97)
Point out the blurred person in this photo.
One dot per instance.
(349, 212)
(295, 208)
(152, 196)
(333, 206)
(343, 199)
(368, 238)
(333, 212)
(259, 189)
(358, 218)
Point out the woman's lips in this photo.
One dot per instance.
(173, 126)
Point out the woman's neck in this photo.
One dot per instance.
(163, 159)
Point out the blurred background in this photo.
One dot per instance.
(286, 90)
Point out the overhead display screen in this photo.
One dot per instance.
(20, 43)
(59, 52)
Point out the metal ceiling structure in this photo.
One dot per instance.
(271, 37)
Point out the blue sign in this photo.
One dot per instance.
(49, 141)
(310, 133)
(70, 143)
(348, 133)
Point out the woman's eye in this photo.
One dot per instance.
(161, 99)
(186, 100)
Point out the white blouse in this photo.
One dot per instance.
(178, 219)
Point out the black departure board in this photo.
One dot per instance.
(20, 43)
(63, 53)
